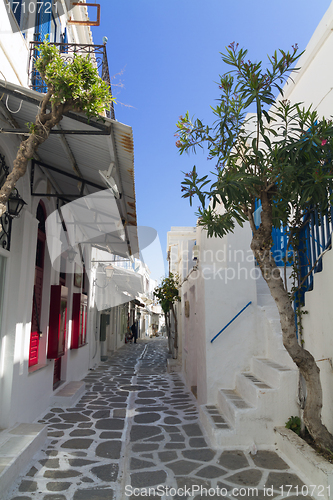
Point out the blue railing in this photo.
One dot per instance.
(280, 239)
(233, 319)
(314, 239)
(97, 53)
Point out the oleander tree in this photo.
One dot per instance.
(279, 155)
(167, 295)
(71, 86)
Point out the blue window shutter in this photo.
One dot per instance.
(43, 28)
(43, 22)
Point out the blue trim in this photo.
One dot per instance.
(42, 29)
(314, 238)
(280, 239)
(43, 23)
(226, 326)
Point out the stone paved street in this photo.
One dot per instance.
(136, 428)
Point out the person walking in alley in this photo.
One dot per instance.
(134, 330)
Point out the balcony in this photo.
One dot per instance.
(95, 52)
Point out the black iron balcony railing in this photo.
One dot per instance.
(96, 52)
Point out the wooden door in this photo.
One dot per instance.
(38, 289)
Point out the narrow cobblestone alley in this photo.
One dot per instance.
(136, 427)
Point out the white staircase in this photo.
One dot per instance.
(263, 398)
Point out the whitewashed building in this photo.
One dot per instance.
(233, 358)
(54, 314)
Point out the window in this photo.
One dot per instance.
(57, 322)
(79, 321)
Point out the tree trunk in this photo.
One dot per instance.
(176, 326)
(168, 331)
(44, 122)
(261, 246)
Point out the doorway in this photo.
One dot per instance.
(38, 287)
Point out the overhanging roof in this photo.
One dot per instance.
(73, 155)
(123, 287)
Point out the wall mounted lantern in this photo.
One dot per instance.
(15, 205)
(109, 272)
(71, 253)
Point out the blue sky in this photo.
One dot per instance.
(169, 53)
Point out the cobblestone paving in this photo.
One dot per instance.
(137, 428)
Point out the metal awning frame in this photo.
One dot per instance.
(67, 197)
(95, 127)
(80, 118)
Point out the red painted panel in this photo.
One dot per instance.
(38, 287)
(57, 322)
(84, 327)
(79, 320)
(34, 346)
(36, 313)
(76, 320)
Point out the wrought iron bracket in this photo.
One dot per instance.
(6, 230)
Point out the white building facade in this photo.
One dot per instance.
(51, 316)
(233, 358)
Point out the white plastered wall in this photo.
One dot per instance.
(318, 332)
(224, 282)
(314, 85)
(229, 284)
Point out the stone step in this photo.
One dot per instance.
(217, 419)
(216, 426)
(68, 395)
(232, 405)
(17, 448)
(256, 392)
(274, 374)
(271, 403)
(221, 434)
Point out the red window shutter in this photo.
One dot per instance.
(34, 346)
(57, 322)
(79, 320)
(76, 320)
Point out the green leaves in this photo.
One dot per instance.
(192, 185)
(76, 82)
(281, 153)
(167, 293)
(219, 224)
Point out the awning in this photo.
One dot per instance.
(71, 158)
(136, 302)
(123, 286)
(127, 281)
